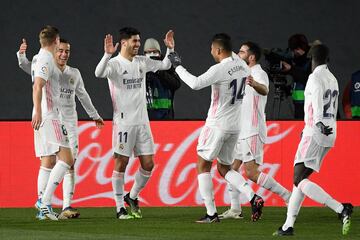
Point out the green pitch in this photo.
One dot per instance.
(172, 223)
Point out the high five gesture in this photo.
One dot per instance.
(169, 39)
(109, 44)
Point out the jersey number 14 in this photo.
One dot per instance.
(237, 95)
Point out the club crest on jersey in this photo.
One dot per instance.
(44, 70)
(72, 81)
(140, 70)
(121, 146)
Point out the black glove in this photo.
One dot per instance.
(174, 59)
(326, 130)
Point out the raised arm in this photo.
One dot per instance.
(24, 63)
(196, 83)
(86, 102)
(103, 69)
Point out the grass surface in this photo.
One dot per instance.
(172, 223)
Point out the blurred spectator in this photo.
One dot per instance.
(299, 68)
(351, 97)
(160, 86)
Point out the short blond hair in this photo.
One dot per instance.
(48, 35)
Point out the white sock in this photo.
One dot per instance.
(235, 198)
(42, 180)
(141, 178)
(118, 189)
(295, 201)
(207, 192)
(316, 193)
(238, 181)
(269, 183)
(56, 176)
(68, 188)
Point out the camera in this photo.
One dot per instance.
(274, 69)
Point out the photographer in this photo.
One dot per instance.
(299, 68)
(160, 86)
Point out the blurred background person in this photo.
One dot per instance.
(351, 97)
(299, 68)
(160, 85)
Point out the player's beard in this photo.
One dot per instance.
(133, 51)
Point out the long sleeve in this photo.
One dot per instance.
(85, 100)
(155, 65)
(103, 69)
(24, 63)
(196, 83)
(317, 100)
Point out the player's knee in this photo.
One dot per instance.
(120, 163)
(148, 166)
(236, 165)
(297, 180)
(251, 173)
(223, 169)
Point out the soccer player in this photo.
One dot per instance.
(249, 148)
(71, 84)
(50, 135)
(221, 131)
(131, 127)
(321, 104)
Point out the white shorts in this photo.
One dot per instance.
(50, 136)
(214, 143)
(310, 153)
(73, 135)
(129, 139)
(249, 149)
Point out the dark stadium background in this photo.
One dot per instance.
(85, 23)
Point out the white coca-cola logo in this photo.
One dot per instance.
(98, 159)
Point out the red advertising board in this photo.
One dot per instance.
(174, 178)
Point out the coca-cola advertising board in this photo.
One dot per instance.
(174, 178)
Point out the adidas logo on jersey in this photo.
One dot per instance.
(125, 72)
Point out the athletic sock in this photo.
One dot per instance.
(269, 183)
(234, 198)
(207, 192)
(295, 201)
(118, 189)
(56, 176)
(316, 193)
(141, 178)
(43, 178)
(68, 188)
(237, 181)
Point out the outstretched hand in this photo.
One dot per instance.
(109, 44)
(174, 59)
(169, 39)
(23, 46)
(326, 130)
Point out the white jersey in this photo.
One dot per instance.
(253, 120)
(43, 66)
(227, 80)
(70, 84)
(321, 105)
(126, 81)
